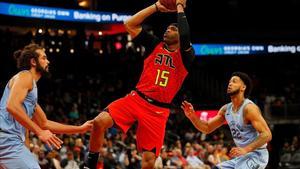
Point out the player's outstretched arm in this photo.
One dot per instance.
(133, 25)
(40, 118)
(203, 126)
(186, 48)
(21, 84)
(183, 26)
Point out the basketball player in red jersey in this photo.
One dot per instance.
(165, 67)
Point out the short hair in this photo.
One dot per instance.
(247, 81)
(174, 24)
(23, 56)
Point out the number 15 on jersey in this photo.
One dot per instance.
(162, 78)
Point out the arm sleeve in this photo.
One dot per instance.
(186, 48)
(147, 40)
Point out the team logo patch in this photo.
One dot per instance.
(252, 164)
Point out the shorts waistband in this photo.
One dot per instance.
(152, 101)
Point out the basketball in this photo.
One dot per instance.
(170, 4)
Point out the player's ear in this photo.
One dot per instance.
(244, 87)
(33, 62)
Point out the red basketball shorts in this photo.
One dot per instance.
(151, 120)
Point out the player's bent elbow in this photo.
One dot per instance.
(204, 131)
(127, 25)
(132, 29)
(207, 131)
(269, 137)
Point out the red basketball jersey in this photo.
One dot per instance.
(163, 74)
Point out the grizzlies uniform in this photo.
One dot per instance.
(13, 152)
(243, 135)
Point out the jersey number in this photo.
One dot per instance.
(236, 134)
(162, 78)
